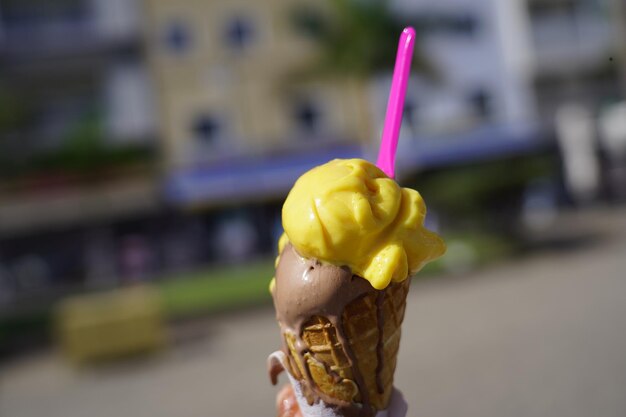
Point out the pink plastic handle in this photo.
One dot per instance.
(395, 106)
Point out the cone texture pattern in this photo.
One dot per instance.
(328, 360)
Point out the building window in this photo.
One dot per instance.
(466, 25)
(206, 128)
(307, 116)
(480, 100)
(410, 114)
(177, 37)
(240, 32)
(460, 23)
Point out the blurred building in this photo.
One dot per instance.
(575, 53)
(579, 72)
(75, 99)
(481, 104)
(77, 139)
(221, 69)
(235, 127)
(227, 99)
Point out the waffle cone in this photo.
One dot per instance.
(327, 359)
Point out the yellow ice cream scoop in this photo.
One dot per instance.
(348, 212)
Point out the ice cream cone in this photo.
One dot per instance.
(370, 379)
(352, 238)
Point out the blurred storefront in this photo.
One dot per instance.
(77, 143)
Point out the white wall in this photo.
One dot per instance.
(130, 115)
(496, 57)
(116, 19)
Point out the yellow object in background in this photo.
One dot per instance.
(348, 212)
(109, 325)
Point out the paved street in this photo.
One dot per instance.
(541, 336)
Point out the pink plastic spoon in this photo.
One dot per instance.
(395, 106)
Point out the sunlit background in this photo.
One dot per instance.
(146, 148)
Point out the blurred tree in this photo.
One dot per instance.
(14, 114)
(485, 196)
(355, 37)
(84, 147)
(86, 151)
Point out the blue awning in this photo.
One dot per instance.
(247, 178)
(256, 178)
